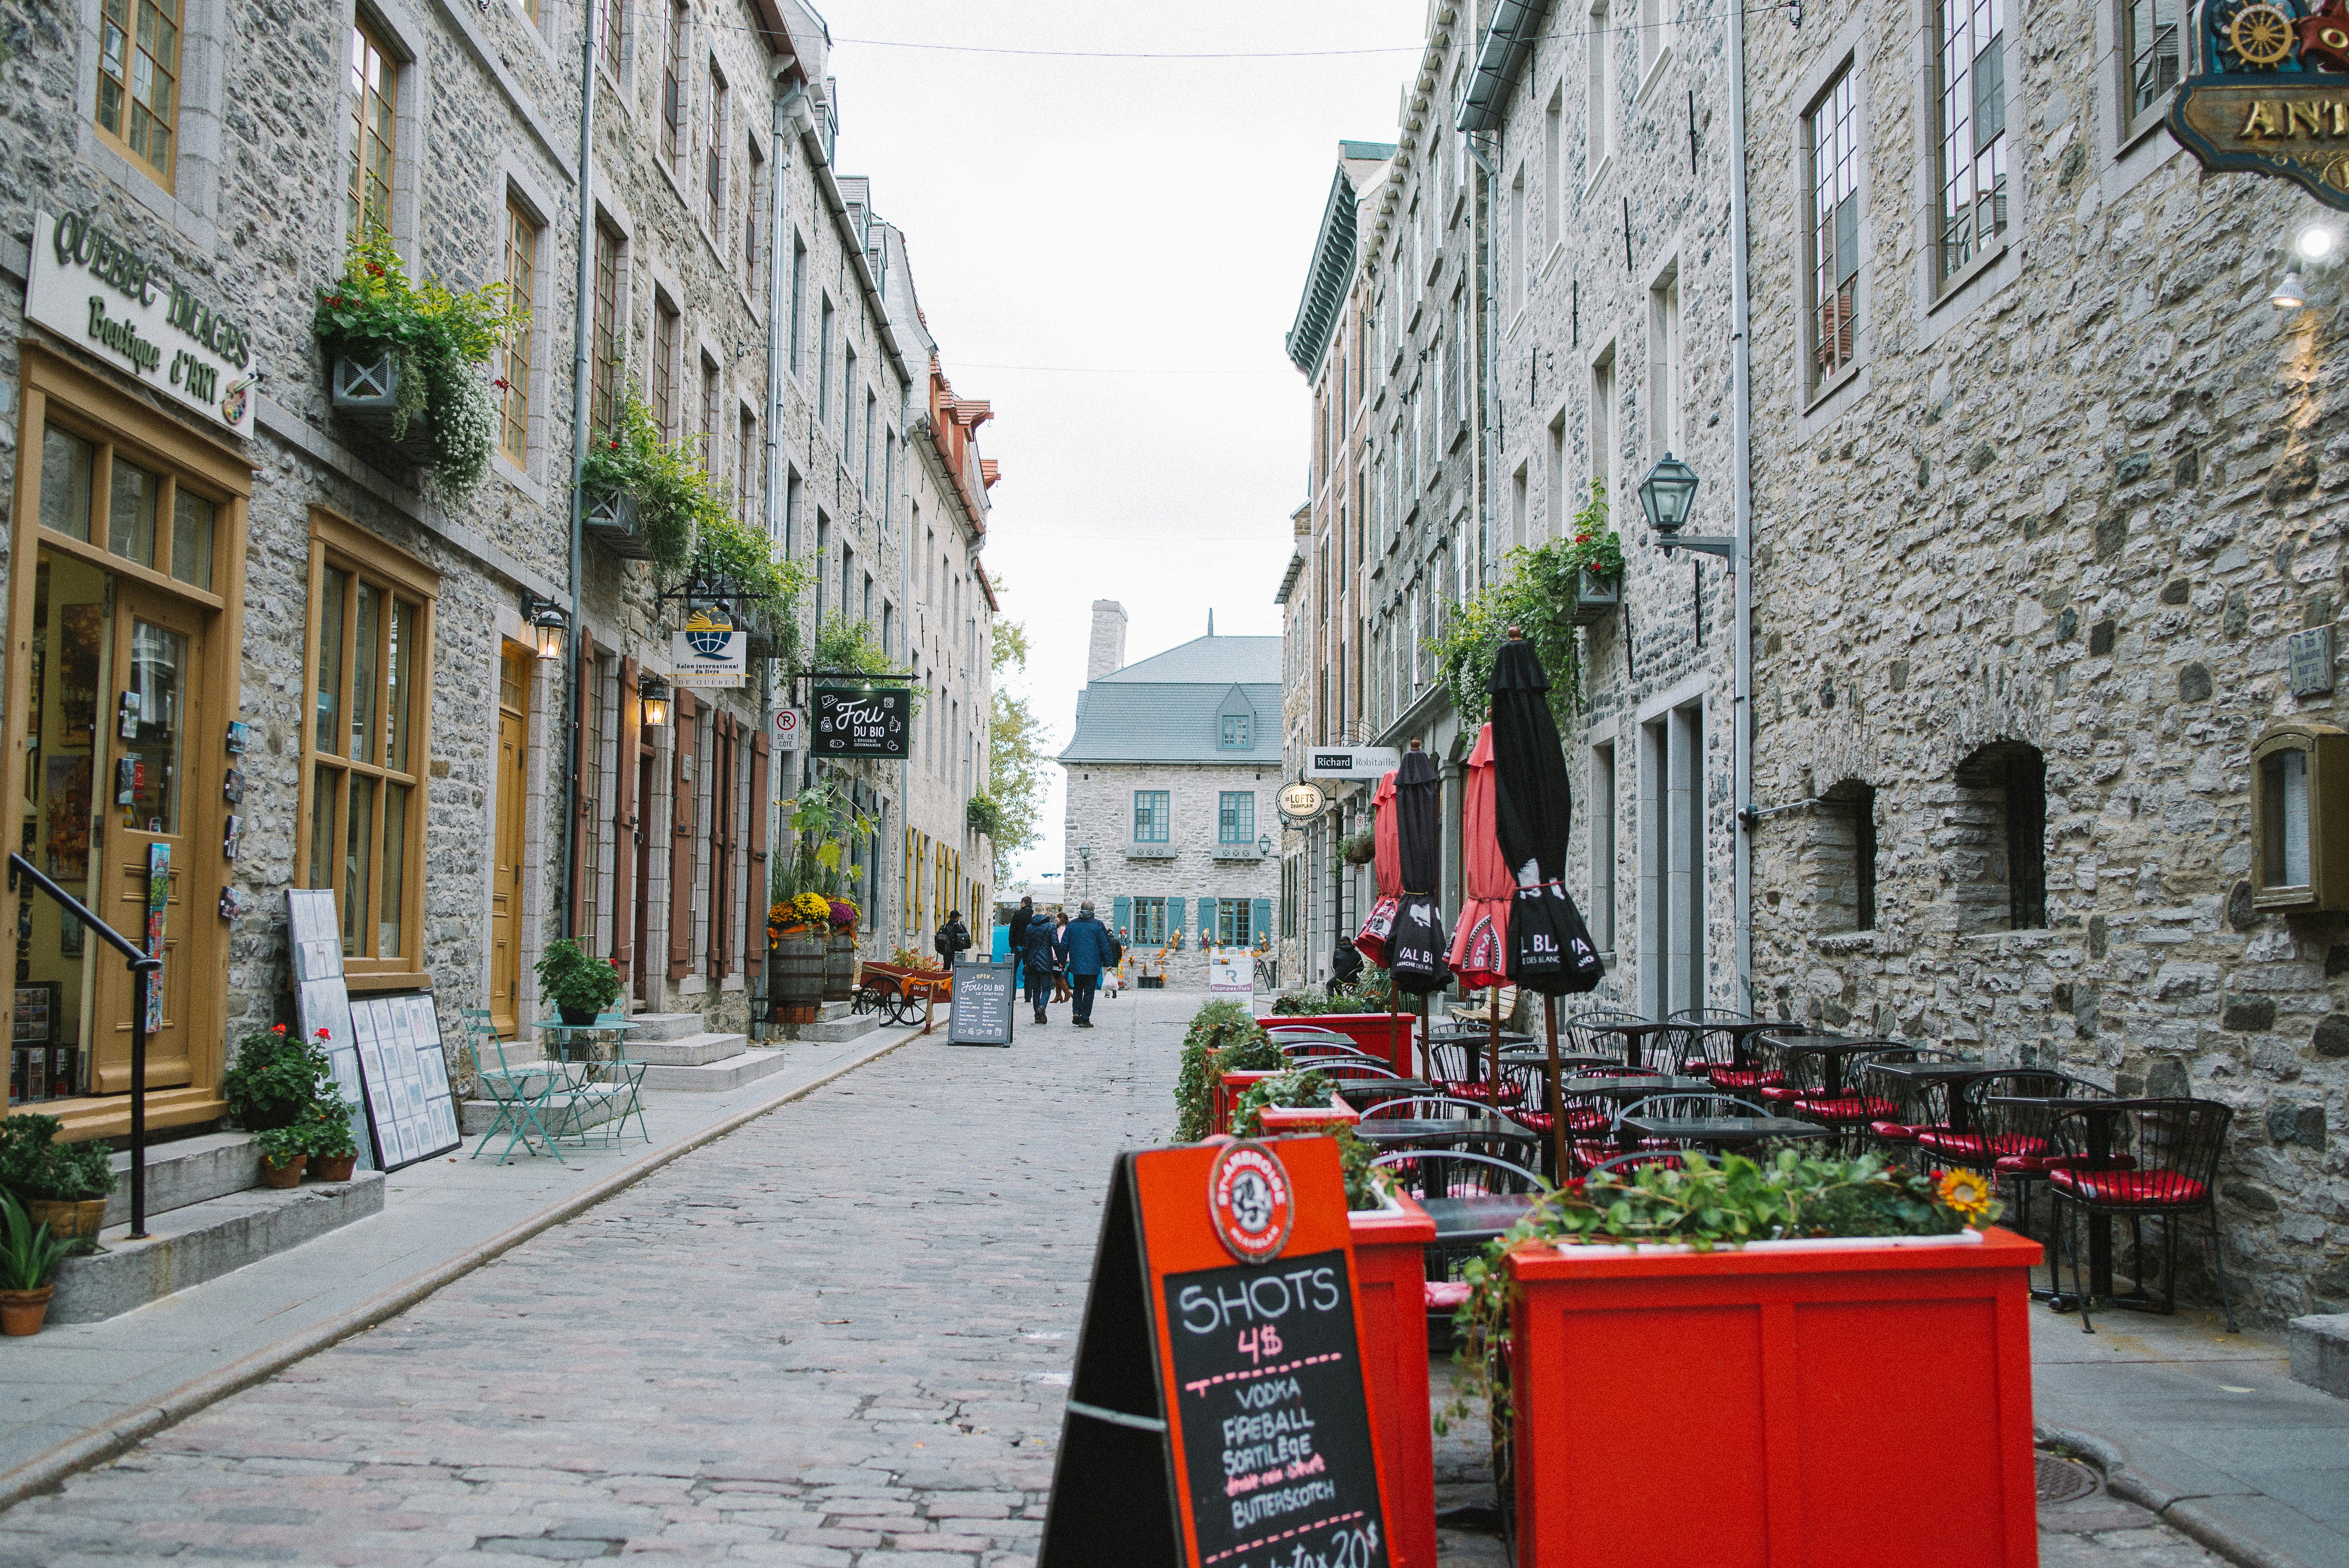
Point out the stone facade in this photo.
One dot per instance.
(1192, 871)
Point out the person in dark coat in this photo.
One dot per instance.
(1041, 957)
(1020, 920)
(1345, 964)
(953, 938)
(1088, 945)
(1061, 956)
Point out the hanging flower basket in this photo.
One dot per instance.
(1596, 596)
(365, 393)
(610, 517)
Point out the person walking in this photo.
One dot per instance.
(1021, 918)
(1040, 957)
(952, 938)
(1060, 949)
(1344, 964)
(1089, 947)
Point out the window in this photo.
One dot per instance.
(1554, 482)
(794, 501)
(1664, 396)
(614, 17)
(824, 363)
(1552, 170)
(1235, 816)
(1831, 142)
(870, 404)
(1463, 377)
(715, 156)
(672, 126)
(1602, 424)
(1149, 927)
(2150, 47)
(708, 417)
(1152, 820)
(665, 366)
(746, 465)
(139, 80)
(1602, 848)
(374, 86)
(1521, 262)
(798, 304)
(604, 385)
(1655, 35)
(144, 514)
(1671, 861)
(599, 757)
(1971, 131)
(1518, 524)
(1598, 93)
(1843, 858)
(521, 274)
(1232, 922)
(755, 203)
(369, 677)
(1998, 819)
(847, 404)
(1236, 736)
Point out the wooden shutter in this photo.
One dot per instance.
(1207, 932)
(624, 824)
(680, 841)
(754, 890)
(1260, 920)
(722, 797)
(583, 702)
(1120, 914)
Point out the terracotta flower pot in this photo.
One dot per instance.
(337, 1170)
(21, 1311)
(68, 1219)
(286, 1175)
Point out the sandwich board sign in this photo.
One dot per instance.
(1220, 1415)
(982, 1002)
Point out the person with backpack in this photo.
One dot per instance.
(1040, 959)
(1090, 948)
(1021, 918)
(953, 938)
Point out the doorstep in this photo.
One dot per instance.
(187, 1170)
(198, 1241)
(717, 1078)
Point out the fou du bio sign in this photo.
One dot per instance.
(861, 721)
(89, 286)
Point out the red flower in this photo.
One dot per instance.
(501, 385)
(334, 299)
(616, 445)
(276, 1029)
(375, 269)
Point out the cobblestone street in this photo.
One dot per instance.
(839, 1334)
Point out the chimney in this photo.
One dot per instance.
(1108, 651)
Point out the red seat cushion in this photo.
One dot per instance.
(1446, 1296)
(1776, 1093)
(1579, 1121)
(2039, 1165)
(1849, 1108)
(1893, 1132)
(1974, 1145)
(2147, 1188)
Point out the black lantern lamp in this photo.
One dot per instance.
(652, 696)
(1667, 495)
(1264, 843)
(546, 623)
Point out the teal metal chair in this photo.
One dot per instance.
(626, 1080)
(521, 1108)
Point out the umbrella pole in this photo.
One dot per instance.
(1492, 1054)
(1556, 1114)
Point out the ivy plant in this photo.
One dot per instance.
(1222, 1038)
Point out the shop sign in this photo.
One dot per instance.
(1352, 762)
(862, 721)
(712, 651)
(2272, 101)
(89, 286)
(1302, 802)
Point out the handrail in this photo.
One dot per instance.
(143, 966)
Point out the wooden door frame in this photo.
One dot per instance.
(49, 383)
(498, 804)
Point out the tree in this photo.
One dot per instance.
(1015, 756)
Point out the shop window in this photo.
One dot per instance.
(1996, 829)
(375, 126)
(1843, 858)
(367, 678)
(137, 500)
(139, 81)
(665, 324)
(522, 280)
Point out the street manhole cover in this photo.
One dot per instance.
(2064, 1481)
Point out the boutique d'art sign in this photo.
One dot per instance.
(2273, 95)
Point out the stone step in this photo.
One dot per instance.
(715, 1078)
(830, 1029)
(687, 1050)
(185, 1171)
(199, 1242)
(833, 1012)
(476, 1117)
(658, 1026)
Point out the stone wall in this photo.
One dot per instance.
(1100, 820)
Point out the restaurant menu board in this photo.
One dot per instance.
(409, 1107)
(321, 1001)
(1219, 1416)
(982, 1002)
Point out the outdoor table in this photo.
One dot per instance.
(571, 1049)
(1636, 1037)
(1405, 1131)
(1564, 1059)
(1836, 1050)
(1363, 1093)
(2102, 1114)
(1716, 1131)
(1474, 1219)
(1956, 1075)
(1633, 1087)
(1469, 1034)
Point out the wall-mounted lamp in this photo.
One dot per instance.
(2289, 295)
(1667, 495)
(1264, 843)
(652, 694)
(546, 623)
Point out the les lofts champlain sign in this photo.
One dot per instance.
(2274, 95)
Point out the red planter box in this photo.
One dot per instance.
(1228, 1090)
(1386, 1035)
(1391, 1283)
(1279, 1120)
(1849, 1404)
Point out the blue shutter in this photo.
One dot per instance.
(1260, 923)
(1173, 918)
(1121, 911)
(1207, 922)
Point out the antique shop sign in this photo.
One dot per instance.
(2272, 98)
(92, 287)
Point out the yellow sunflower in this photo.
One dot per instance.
(1966, 1191)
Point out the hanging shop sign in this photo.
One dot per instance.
(90, 286)
(862, 721)
(712, 651)
(1302, 802)
(1352, 762)
(2274, 98)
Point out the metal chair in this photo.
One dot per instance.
(508, 1087)
(1585, 1028)
(1702, 1047)
(1457, 1173)
(2139, 1160)
(1916, 1107)
(1847, 1107)
(627, 1076)
(1439, 1107)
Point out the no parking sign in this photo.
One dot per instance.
(790, 726)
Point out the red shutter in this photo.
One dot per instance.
(754, 902)
(583, 702)
(680, 842)
(624, 824)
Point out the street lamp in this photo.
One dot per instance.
(546, 623)
(1264, 843)
(652, 696)
(1666, 495)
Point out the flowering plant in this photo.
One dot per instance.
(842, 916)
(1591, 545)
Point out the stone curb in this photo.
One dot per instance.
(48, 1470)
(2189, 1513)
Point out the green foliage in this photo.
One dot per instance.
(985, 814)
(1016, 754)
(275, 1079)
(33, 1164)
(1222, 1038)
(1536, 594)
(573, 977)
(1359, 849)
(281, 1145)
(1590, 545)
(29, 1256)
(1365, 1188)
(670, 490)
(1309, 1003)
(1297, 1086)
(726, 547)
(823, 827)
(330, 1136)
(1008, 642)
(1373, 987)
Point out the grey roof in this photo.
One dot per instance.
(1169, 708)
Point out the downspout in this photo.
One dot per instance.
(1741, 466)
(906, 619)
(580, 369)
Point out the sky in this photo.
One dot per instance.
(1109, 252)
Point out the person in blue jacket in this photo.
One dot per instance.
(1091, 950)
(1041, 957)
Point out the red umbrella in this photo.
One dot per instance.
(1386, 872)
(1480, 952)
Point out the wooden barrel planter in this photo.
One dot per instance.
(839, 967)
(795, 978)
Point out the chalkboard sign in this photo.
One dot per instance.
(1219, 1416)
(982, 1002)
(862, 721)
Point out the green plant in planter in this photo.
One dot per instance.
(29, 1254)
(985, 815)
(577, 980)
(274, 1079)
(1591, 543)
(1309, 1003)
(1297, 1086)
(330, 1136)
(33, 1164)
(281, 1145)
(1375, 988)
(1222, 1038)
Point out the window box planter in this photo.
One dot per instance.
(1282, 1120)
(365, 397)
(1390, 1295)
(1150, 851)
(1596, 597)
(609, 518)
(1772, 1371)
(1386, 1035)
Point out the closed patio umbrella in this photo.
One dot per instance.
(1386, 876)
(1479, 942)
(1417, 962)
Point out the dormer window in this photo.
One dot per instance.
(1236, 736)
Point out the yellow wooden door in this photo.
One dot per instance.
(505, 876)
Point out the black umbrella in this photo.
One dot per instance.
(1415, 952)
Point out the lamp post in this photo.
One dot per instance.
(1667, 496)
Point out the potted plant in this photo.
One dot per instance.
(285, 1150)
(29, 1256)
(639, 493)
(333, 1151)
(61, 1185)
(274, 1079)
(1594, 555)
(1222, 1038)
(409, 362)
(1359, 849)
(580, 985)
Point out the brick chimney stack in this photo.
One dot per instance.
(1108, 651)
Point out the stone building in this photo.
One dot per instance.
(1171, 775)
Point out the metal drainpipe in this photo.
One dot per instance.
(1740, 436)
(580, 369)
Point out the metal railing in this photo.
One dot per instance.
(143, 967)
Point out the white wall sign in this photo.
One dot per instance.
(1352, 761)
(790, 730)
(1231, 971)
(88, 287)
(712, 651)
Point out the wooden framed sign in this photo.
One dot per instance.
(1220, 1415)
